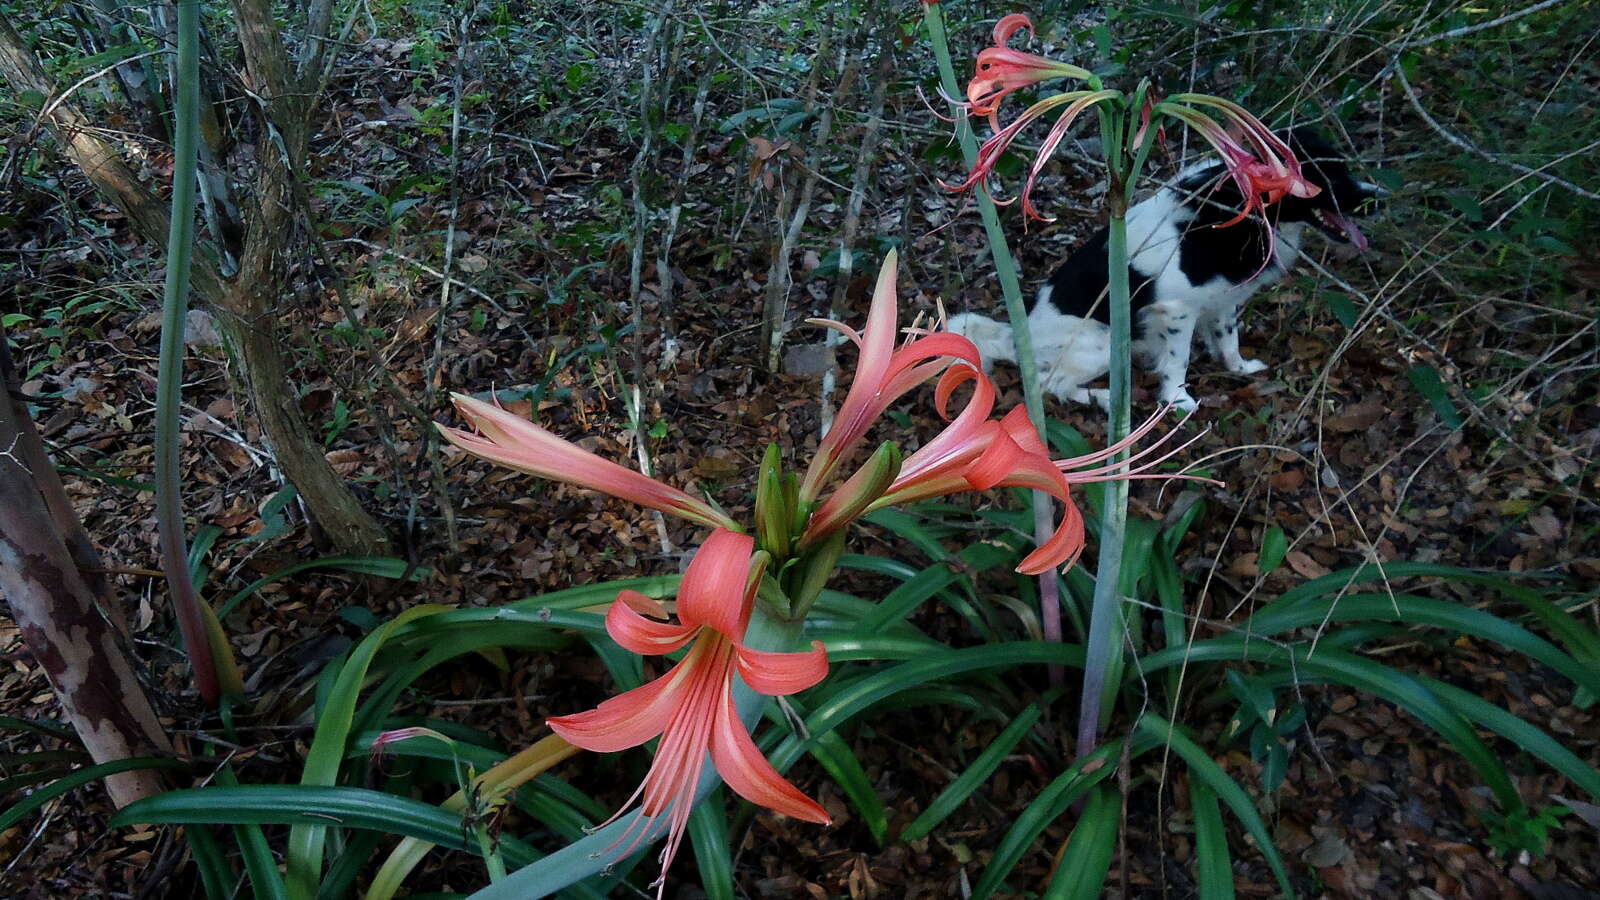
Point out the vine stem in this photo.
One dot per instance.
(1016, 312)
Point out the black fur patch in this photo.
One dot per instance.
(1237, 253)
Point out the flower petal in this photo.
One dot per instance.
(781, 674)
(517, 443)
(626, 720)
(713, 589)
(1010, 25)
(855, 413)
(748, 773)
(641, 635)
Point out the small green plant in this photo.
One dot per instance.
(1527, 831)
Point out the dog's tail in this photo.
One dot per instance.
(992, 338)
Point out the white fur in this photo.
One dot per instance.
(1073, 351)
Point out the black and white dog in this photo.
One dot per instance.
(1185, 275)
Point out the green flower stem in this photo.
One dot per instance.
(1105, 613)
(169, 381)
(594, 854)
(1016, 313)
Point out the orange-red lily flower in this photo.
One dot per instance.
(1259, 162)
(1002, 70)
(883, 375)
(971, 453)
(975, 453)
(990, 152)
(691, 707)
(517, 443)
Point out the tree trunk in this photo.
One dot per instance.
(62, 620)
(246, 305)
(254, 337)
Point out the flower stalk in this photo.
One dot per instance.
(1262, 166)
(210, 658)
(1016, 309)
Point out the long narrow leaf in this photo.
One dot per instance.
(1212, 861)
(1048, 806)
(298, 804)
(902, 600)
(1203, 768)
(976, 773)
(1412, 609)
(1086, 861)
(1328, 664)
(334, 724)
(22, 808)
(383, 566)
(259, 863)
(863, 693)
(708, 832)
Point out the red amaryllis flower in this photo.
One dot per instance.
(517, 443)
(1259, 162)
(1002, 70)
(883, 375)
(975, 453)
(972, 453)
(995, 147)
(691, 707)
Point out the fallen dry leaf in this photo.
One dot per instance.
(1305, 565)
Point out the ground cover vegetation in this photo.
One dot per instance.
(273, 632)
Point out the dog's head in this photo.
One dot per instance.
(1342, 196)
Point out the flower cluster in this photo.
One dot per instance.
(1260, 163)
(795, 545)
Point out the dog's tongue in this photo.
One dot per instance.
(1353, 231)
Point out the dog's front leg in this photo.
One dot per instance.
(1169, 331)
(1223, 336)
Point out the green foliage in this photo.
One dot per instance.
(1524, 831)
(1263, 667)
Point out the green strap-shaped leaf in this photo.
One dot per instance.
(902, 600)
(1330, 665)
(1081, 872)
(1051, 803)
(978, 772)
(299, 804)
(22, 808)
(1212, 861)
(1204, 769)
(708, 832)
(334, 723)
(864, 692)
(1414, 610)
(259, 863)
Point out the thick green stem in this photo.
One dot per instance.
(1016, 313)
(1105, 613)
(169, 383)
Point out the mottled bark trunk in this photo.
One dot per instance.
(62, 619)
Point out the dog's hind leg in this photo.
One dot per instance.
(1071, 357)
